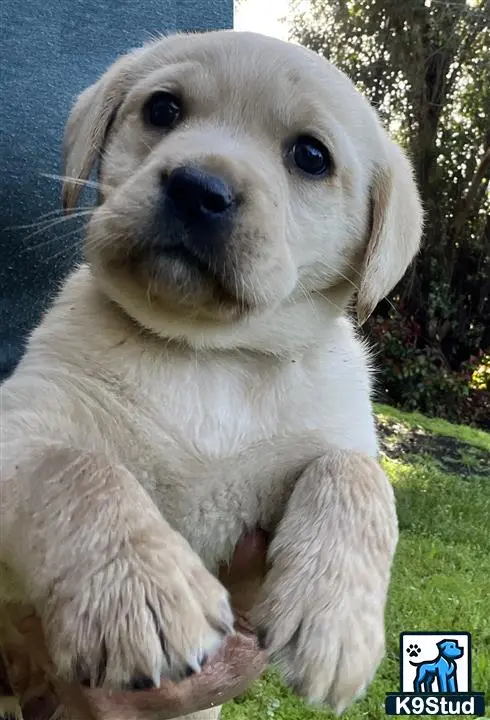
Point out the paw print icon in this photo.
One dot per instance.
(413, 650)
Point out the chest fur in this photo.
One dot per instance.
(219, 445)
(218, 439)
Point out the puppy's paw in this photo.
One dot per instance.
(327, 652)
(151, 611)
(321, 612)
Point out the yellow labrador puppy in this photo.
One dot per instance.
(199, 376)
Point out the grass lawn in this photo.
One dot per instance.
(441, 577)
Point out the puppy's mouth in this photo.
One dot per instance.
(179, 252)
(171, 266)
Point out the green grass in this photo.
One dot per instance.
(463, 433)
(441, 576)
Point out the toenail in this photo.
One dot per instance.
(142, 682)
(262, 638)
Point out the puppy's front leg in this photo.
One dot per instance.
(122, 597)
(321, 614)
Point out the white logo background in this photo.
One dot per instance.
(429, 651)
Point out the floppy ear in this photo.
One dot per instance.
(88, 124)
(397, 219)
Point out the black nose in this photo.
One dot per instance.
(196, 197)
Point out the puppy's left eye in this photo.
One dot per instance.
(162, 110)
(311, 156)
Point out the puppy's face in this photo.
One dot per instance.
(237, 172)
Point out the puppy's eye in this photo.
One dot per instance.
(162, 110)
(311, 156)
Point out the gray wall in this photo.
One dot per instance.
(50, 50)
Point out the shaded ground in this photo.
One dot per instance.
(400, 441)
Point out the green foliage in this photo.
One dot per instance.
(417, 376)
(441, 575)
(425, 66)
(480, 377)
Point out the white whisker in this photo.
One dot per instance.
(329, 300)
(48, 225)
(76, 181)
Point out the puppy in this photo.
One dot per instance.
(199, 376)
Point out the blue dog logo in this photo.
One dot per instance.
(435, 687)
(443, 668)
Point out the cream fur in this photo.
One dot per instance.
(149, 424)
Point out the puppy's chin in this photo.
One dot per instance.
(159, 285)
(173, 297)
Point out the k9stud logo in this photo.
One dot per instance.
(435, 676)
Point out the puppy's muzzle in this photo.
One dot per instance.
(198, 212)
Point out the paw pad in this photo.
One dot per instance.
(413, 650)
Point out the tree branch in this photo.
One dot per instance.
(466, 205)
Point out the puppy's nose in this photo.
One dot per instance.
(197, 197)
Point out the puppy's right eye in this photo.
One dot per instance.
(311, 156)
(162, 110)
